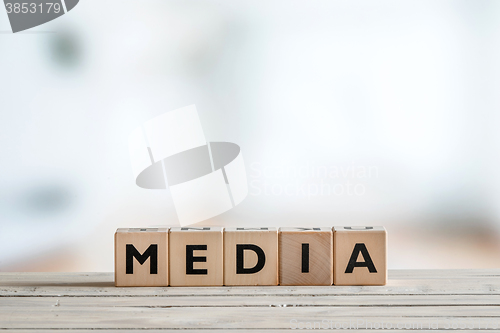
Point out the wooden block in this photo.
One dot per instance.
(360, 256)
(196, 256)
(141, 256)
(306, 256)
(251, 256)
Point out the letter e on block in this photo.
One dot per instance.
(196, 256)
(251, 256)
(360, 256)
(141, 257)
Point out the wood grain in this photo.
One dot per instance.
(211, 268)
(355, 247)
(79, 302)
(141, 240)
(266, 240)
(317, 269)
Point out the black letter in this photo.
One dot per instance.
(204, 228)
(131, 253)
(190, 259)
(305, 258)
(251, 228)
(360, 247)
(261, 259)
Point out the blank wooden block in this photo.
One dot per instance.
(141, 256)
(196, 256)
(306, 256)
(360, 256)
(251, 256)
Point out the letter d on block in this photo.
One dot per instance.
(251, 257)
(240, 259)
(141, 257)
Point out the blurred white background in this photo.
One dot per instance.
(347, 113)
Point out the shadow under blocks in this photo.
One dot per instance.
(268, 256)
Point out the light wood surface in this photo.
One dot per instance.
(305, 256)
(149, 244)
(261, 242)
(41, 302)
(206, 267)
(355, 247)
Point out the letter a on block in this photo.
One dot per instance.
(360, 256)
(141, 257)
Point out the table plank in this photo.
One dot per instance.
(101, 285)
(456, 299)
(255, 301)
(243, 317)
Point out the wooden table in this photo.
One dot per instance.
(423, 299)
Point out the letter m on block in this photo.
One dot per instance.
(151, 253)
